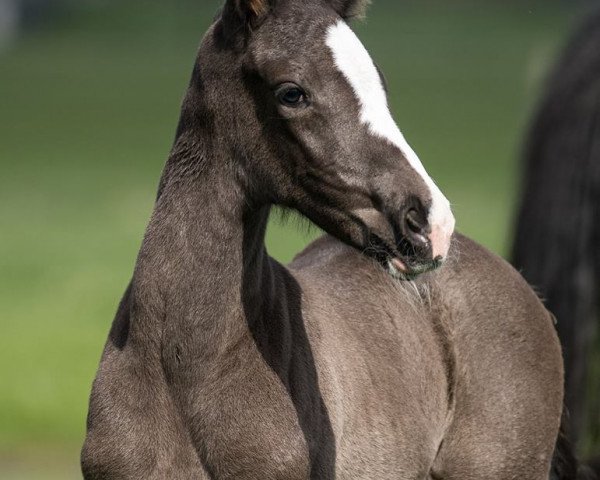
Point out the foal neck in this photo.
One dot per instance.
(204, 255)
(213, 313)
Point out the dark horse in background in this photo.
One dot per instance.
(557, 244)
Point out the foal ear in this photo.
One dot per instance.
(241, 15)
(350, 8)
(252, 8)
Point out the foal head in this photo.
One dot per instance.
(294, 95)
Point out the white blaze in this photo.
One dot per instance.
(353, 60)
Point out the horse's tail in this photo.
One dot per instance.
(564, 462)
(565, 465)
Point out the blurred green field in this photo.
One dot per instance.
(88, 109)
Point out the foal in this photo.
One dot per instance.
(360, 360)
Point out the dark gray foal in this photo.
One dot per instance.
(362, 359)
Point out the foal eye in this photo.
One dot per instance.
(291, 96)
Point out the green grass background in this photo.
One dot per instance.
(88, 108)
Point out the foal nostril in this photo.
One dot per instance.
(416, 225)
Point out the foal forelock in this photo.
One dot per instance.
(353, 60)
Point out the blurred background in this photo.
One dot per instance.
(89, 100)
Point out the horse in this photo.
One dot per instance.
(557, 238)
(392, 347)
